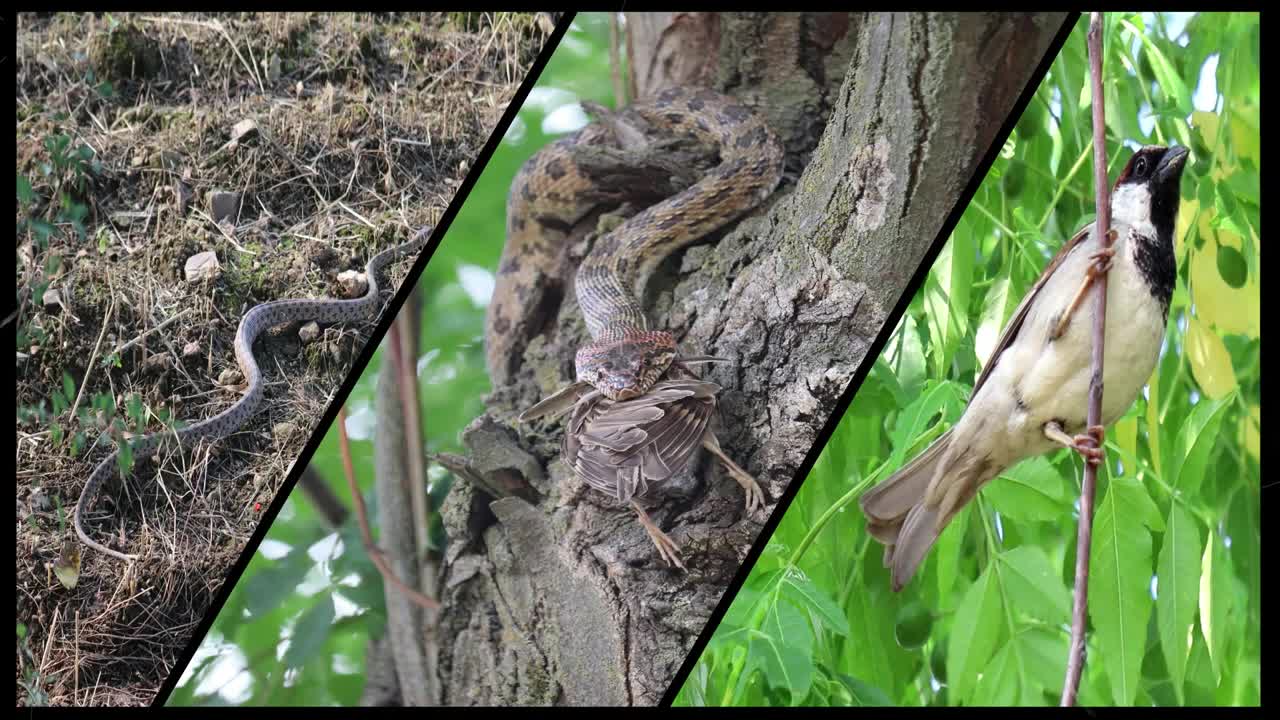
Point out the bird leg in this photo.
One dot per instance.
(755, 496)
(1088, 443)
(667, 547)
(1101, 266)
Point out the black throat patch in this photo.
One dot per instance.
(1158, 266)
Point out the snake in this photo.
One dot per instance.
(551, 193)
(639, 413)
(257, 320)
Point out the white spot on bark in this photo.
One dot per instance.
(871, 179)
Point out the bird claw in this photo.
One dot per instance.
(668, 550)
(1102, 260)
(1089, 445)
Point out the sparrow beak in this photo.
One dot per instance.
(1170, 168)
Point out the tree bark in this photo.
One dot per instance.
(554, 596)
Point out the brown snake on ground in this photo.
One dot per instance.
(254, 322)
(639, 413)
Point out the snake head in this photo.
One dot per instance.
(626, 367)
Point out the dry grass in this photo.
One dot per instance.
(367, 125)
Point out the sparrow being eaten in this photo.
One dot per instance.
(1032, 395)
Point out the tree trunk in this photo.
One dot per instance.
(553, 595)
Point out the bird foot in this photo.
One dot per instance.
(755, 496)
(1102, 260)
(667, 548)
(1088, 443)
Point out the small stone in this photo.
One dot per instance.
(40, 501)
(273, 68)
(353, 282)
(283, 432)
(156, 363)
(309, 332)
(244, 130)
(52, 300)
(191, 349)
(203, 266)
(224, 205)
(230, 377)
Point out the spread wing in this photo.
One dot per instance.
(1019, 315)
(622, 448)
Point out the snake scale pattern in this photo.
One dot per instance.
(639, 414)
(258, 319)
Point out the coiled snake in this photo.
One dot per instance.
(259, 318)
(639, 414)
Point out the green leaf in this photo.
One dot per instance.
(1215, 601)
(68, 387)
(1033, 585)
(1032, 490)
(808, 597)
(1119, 584)
(999, 683)
(996, 310)
(785, 641)
(266, 589)
(1170, 81)
(973, 634)
(310, 632)
(914, 419)
(1232, 266)
(1196, 439)
(863, 694)
(1179, 578)
(25, 193)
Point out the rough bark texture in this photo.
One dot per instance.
(554, 596)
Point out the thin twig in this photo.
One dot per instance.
(615, 63)
(84, 381)
(403, 350)
(137, 338)
(362, 515)
(1084, 540)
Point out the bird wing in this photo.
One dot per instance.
(1015, 323)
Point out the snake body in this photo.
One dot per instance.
(551, 194)
(639, 414)
(258, 319)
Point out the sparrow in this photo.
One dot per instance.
(630, 448)
(1031, 397)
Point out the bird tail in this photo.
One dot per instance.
(898, 516)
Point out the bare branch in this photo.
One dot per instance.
(1084, 539)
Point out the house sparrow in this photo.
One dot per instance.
(1032, 395)
(629, 449)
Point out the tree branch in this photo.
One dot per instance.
(1084, 540)
(362, 515)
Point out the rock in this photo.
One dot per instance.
(309, 332)
(283, 432)
(203, 266)
(224, 205)
(191, 349)
(230, 377)
(244, 130)
(156, 363)
(353, 282)
(52, 300)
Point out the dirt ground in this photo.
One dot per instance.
(342, 136)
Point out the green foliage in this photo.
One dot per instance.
(31, 681)
(1174, 601)
(294, 629)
